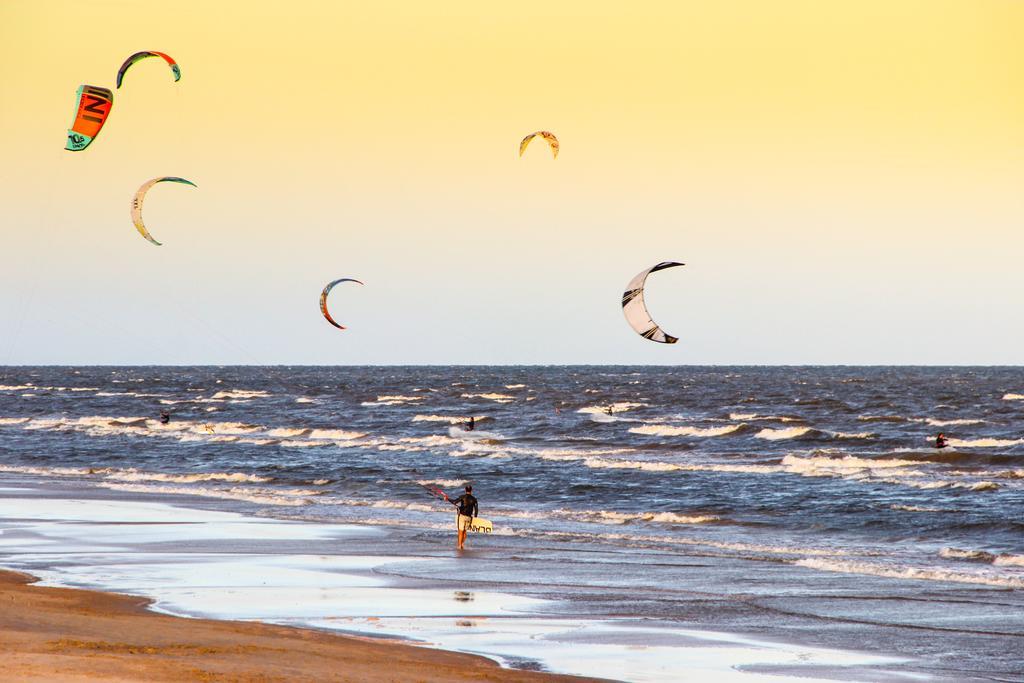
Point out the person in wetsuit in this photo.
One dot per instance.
(471, 425)
(940, 441)
(165, 417)
(468, 509)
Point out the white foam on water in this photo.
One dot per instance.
(933, 484)
(882, 418)
(432, 440)
(288, 432)
(745, 548)
(984, 443)
(666, 430)
(195, 431)
(450, 419)
(225, 428)
(946, 423)
(1009, 560)
(917, 508)
(305, 399)
(53, 471)
(240, 394)
(1013, 397)
(825, 466)
(131, 475)
(912, 573)
(498, 398)
(260, 496)
(612, 517)
(335, 434)
(397, 505)
(448, 483)
(608, 517)
(655, 466)
(854, 435)
(972, 555)
(515, 386)
(13, 420)
(617, 407)
(35, 387)
(754, 416)
(779, 434)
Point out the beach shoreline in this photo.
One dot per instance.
(123, 556)
(52, 633)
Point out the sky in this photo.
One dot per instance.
(844, 181)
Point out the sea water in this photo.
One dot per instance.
(804, 505)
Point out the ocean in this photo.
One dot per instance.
(800, 504)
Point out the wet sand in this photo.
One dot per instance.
(66, 634)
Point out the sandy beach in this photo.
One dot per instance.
(66, 634)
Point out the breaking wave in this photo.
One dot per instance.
(948, 423)
(259, 496)
(499, 398)
(618, 407)
(985, 443)
(778, 434)
(665, 430)
(913, 573)
(239, 394)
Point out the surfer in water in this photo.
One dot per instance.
(467, 506)
(609, 410)
(940, 441)
(471, 425)
(165, 417)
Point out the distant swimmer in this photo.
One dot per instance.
(609, 409)
(940, 441)
(467, 506)
(165, 417)
(471, 425)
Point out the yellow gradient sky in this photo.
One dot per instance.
(845, 181)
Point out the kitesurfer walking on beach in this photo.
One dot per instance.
(468, 509)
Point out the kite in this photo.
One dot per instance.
(140, 196)
(323, 300)
(94, 105)
(550, 137)
(175, 69)
(635, 310)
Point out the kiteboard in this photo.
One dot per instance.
(481, 525)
